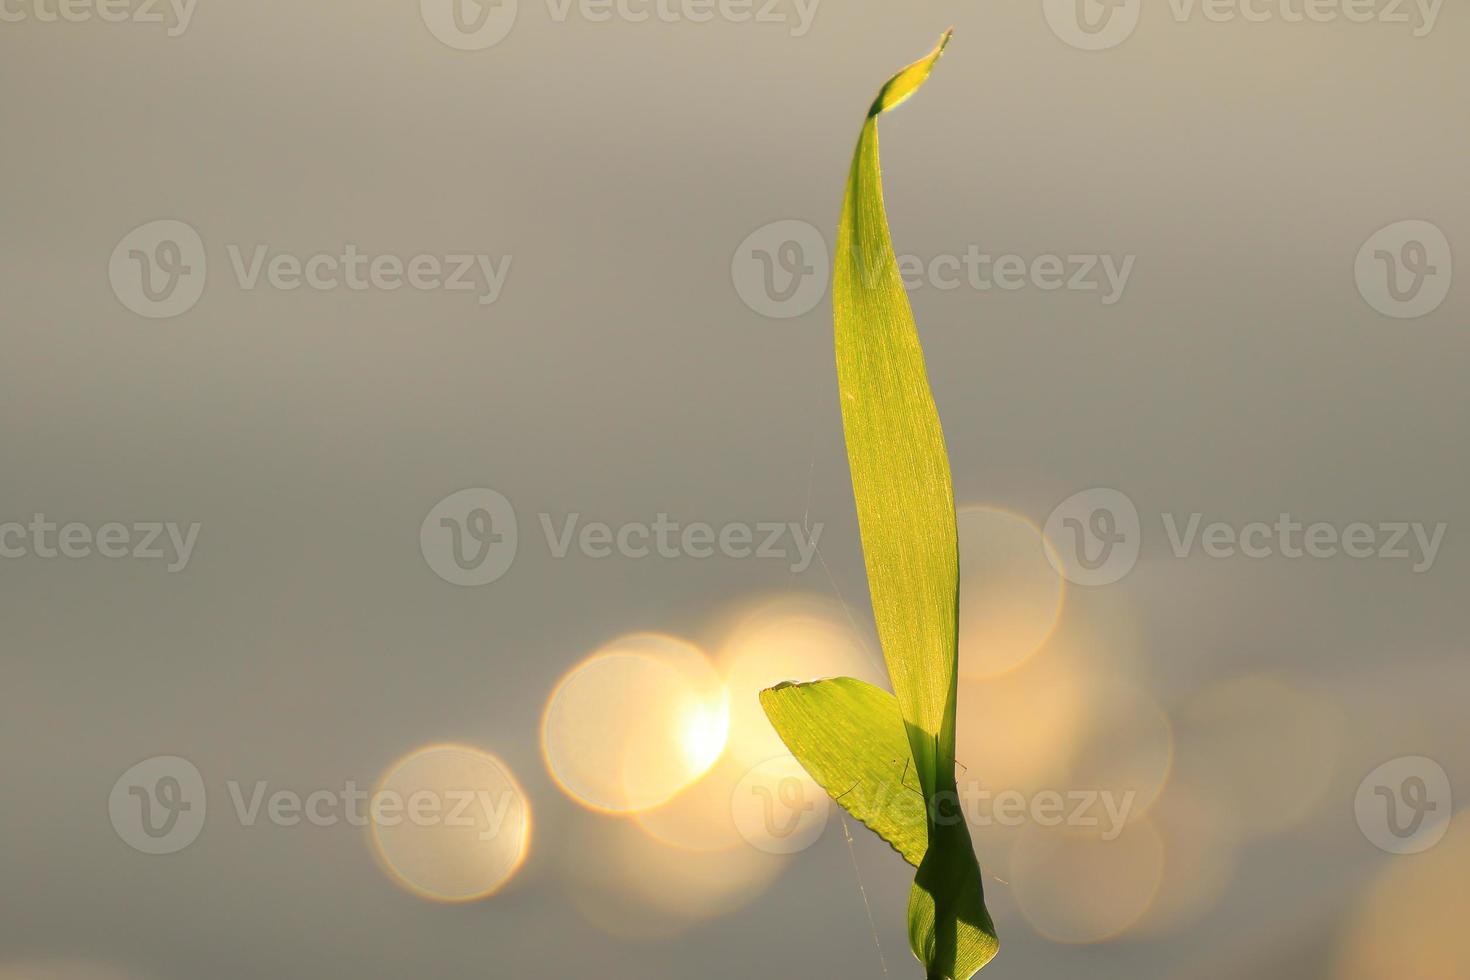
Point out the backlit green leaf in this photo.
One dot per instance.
(905, 505)
(895, 450)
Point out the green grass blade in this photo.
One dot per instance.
(895, 450)
(849, 737)
(905, 504)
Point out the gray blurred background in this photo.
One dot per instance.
(621, 373)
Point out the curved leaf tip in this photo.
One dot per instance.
(907, 81)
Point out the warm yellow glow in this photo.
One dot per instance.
(449, 823)
(1019, 731)
(778, 808)
(1010, 593)
(795, 638)
(700, 818)
(705, 730)
(632, 886)
(1411, 921)
(1125, 744)
(1201, 852)
(1065, 723)
(1076, 887)
(635, 723)
(1015, 735)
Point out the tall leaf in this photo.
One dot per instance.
(906, 515)
(895, 450)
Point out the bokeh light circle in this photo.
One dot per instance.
(633, 887)
(1125, 746)
(1411, 920)
(795, 638)
(1080, 887)
(699, 818)
(778, 808)
(1201, 855)
(1010, 593)
(1260, 751)
(635, 723)
(450, 823)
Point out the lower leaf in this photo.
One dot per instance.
(950, 930)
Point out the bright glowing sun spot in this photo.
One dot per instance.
(703, 733)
